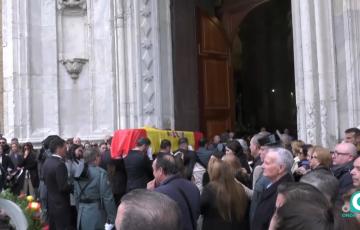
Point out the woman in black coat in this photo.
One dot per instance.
(223, 201)
(29, 164)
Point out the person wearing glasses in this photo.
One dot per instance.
(320, 159)
(342, 159)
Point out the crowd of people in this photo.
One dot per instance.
(264, 181)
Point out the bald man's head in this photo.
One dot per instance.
(344, 153)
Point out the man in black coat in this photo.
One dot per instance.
(343, 158)
(4, 145)
(183, 192)
(189, 157)
(55, 178)
(277, 166)
(138, 166)
(6, 166)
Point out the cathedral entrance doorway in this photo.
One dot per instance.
(245, 66)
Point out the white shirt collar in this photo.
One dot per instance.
(58, 156)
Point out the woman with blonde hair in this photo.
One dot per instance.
(223, 201)
(237, 170)
(320, 159)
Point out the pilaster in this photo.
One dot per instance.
(144, 67)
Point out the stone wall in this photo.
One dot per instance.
(86, 68)
(1, 76)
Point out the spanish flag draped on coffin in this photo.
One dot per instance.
(125, 139)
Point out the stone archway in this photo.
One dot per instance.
(232, 13)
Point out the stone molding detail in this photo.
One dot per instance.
(323, 121)
(74, 66)
(310, 123)
(72, 4)
(147, 60)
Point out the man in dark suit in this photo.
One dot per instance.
(183, 192)
(277, 166)
(6, 166)
(189, 157)
(343, 160)
(55, 178)
(138, 166)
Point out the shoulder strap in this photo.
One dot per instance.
(101, 195)
(193, 223)
(85, 186)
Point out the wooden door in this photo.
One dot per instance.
(215, 77)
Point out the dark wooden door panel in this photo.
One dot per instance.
(215, 77)
(215, 85)
(211, 40)
(217, 126)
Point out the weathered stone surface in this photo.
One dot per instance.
(85, 68)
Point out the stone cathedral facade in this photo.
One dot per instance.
(85, 68)
(88, 67)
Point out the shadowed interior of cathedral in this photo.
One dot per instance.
(243, 74)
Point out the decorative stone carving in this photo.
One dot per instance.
(74, 66)
(310, 123)
(72, 4)
(147, 59)
(323, 118)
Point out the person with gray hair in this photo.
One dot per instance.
(343, 160)
(324, 181)
(285, 158)
(142, 209)
(277, 168)
(94, 199)
(255, 149)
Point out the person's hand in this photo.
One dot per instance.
(151, 185)
(301, 171)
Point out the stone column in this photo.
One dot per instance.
(144, 64)
(327, 64)
(351, 19)
(315, 72)
(16, 68)
(326, 72)
(305, 58)
(298, 65)
(1, 77)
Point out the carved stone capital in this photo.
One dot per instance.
(72, 4)
(74, 66)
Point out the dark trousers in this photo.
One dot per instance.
(60, 220)
(73, 218)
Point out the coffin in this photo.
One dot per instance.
(125, 139)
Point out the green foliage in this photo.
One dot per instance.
(34, 223)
